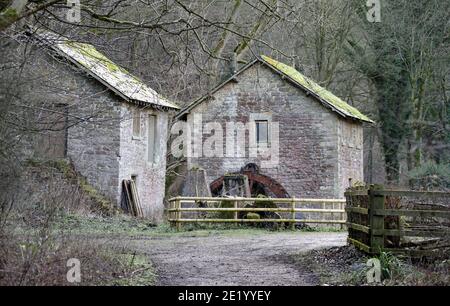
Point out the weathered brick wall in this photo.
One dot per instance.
(350, 153)
(134, 159)
(309, 155)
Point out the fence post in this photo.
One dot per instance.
(171, 206)
(178, 215)
(293, 214)
(376, 221)
(235, 212)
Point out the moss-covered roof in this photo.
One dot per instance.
(326, 97)
(102, 68)
(323, 94)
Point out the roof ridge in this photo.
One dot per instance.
(322, 94)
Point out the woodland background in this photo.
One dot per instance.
(396, 71)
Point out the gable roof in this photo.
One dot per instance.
(315, 89)
(116, 78)
(327, 98)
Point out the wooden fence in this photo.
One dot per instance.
(184, 210)
(399, 221)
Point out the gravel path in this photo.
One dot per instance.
(234, 258)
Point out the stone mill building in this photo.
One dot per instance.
(114, 126)
(316, 136)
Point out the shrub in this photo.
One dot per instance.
(430, 176)
(391, 266)
(34, 250)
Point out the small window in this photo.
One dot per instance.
(262, 131)
(137, 123)
(152, 138)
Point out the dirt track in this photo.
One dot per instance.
(234, 258)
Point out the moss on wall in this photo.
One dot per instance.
(100, 203)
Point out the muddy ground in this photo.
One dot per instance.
(229, 258)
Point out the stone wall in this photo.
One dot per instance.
(308, 133)
(91, 113)
(93, 146)
(93, 134)
(99, 134)
(350, 154)
(150, 177)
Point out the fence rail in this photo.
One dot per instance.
(283, 210)
(387, 220)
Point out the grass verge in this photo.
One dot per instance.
(347, 266)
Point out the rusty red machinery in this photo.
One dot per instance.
(256, 181)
